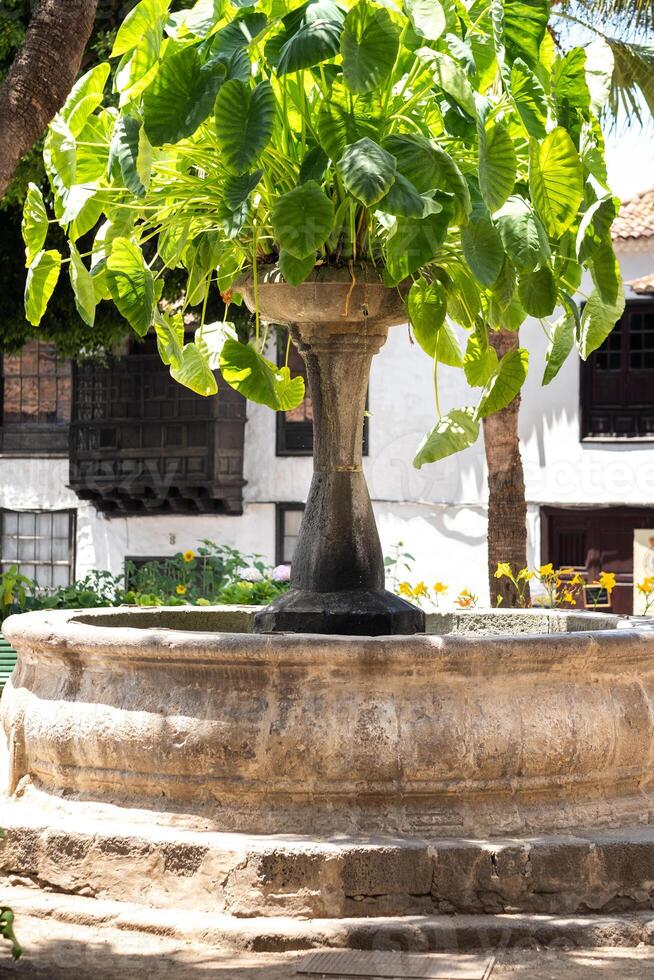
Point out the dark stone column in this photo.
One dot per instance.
(337, 583)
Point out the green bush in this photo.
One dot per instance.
(216, 574)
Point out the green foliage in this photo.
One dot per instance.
(7, 927)
(215, 575)
(448, 144)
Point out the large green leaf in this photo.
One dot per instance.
(451, 78)
(85, 96)
(428, 18)
(537, 291)
(453, 432)
(509, 317)
(295, 270)
(595, 226)
(404, 201)
(244, 122)
(482, 247)
(497, 165)
(569, 86)
(414, 243)
(522, 234)
(605, 270)
(463, 296)
(556, 180)
(369, 46)
(368, 171)
(200, 258)
(192, 370)
(169, 330)
(561, 343)
(131, 150)
(530, 98)
(342, 120)
(448, 349)
(505, 383)
(599, 72)
(83, 289)
(35, 223)
(313, 35)
(202, 18)
(480, 362)
(136, 70)
(597, 321)
(131, 284)
(430, 168)
(42, 277)
(147, 15)
(258, 379)
(238, 34)
(427, 306)
(181, 96)
(302, 219)
(525, 23)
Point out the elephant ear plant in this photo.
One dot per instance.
(445, 145)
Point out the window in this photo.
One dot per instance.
(40, 543)
(289, 518)
(295, 428)
(36, 400)
(593, 540)
(617, 381)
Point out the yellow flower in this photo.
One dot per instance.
(405, 589)
(420, 590)
(181, 589)
(646, 586)
(568, 597)
(525, 574)
(503, 570)
(607, 581)
(565, 571)
(188, 555)
(440, 587)
(546, 570)
(577, 580)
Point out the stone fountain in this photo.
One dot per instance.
(339, 775)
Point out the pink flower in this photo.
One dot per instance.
(282, 573)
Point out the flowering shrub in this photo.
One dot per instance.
(214, 575)
(562, 587)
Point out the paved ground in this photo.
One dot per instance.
(62, 951)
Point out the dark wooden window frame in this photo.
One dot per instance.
(587, 372)
(45, 439)
(281, 510)
(72, 540)
(578, 519)
(289, 434)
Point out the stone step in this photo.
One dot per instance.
(79, 849)
(447, 933)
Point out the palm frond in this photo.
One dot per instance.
(633, 78)
(626, 16)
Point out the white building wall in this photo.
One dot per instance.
(439, 512)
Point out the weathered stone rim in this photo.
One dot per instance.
(69, 634)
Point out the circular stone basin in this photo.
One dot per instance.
(436, 735)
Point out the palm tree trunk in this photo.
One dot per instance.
(41, 76)
(507, 506)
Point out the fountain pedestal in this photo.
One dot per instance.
(339, 319)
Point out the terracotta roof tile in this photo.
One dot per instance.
(636, 218)
(643, 286)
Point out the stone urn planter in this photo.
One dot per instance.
(338, 319)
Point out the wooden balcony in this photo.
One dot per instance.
(140, 443)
